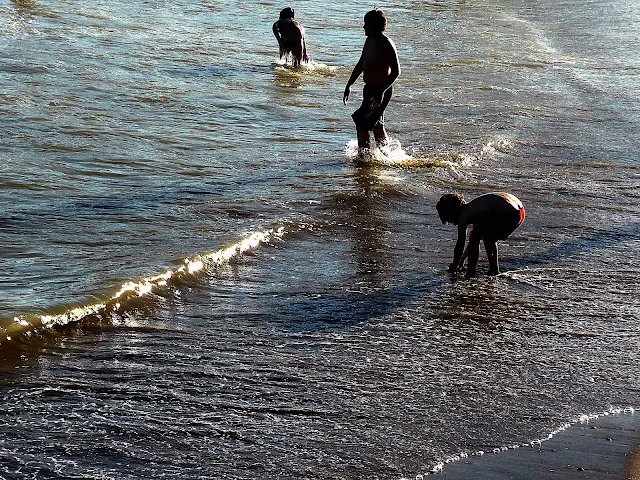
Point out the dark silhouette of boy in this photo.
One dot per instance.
(380, 68)
(290, 36)
(493, 216)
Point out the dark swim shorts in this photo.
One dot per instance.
(370, 113)
(290, 45)
(500, 228)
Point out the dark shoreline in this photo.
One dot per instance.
(605, 447)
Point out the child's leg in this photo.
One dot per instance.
(363, 138)
(297, 55)
(492, 255)
(380, 134)
(474, 252)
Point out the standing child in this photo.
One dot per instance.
(379, 67)
(494, 216)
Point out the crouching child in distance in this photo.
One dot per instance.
(493, 217)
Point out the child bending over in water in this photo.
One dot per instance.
(290, 36)
(493, 217)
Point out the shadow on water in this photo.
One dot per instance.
(336, 312)
(375, 288)
(478, 300)
(363, 214)
(482, 300)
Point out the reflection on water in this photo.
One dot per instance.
(287, 76)
(368, 228)
(482, 300)
(22, 5)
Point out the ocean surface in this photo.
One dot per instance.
(197, 280)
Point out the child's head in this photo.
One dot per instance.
(376, 19)
(449, 207)
(286, 13)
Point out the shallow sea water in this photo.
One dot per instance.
(198, 281)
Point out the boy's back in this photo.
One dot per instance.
(486, 207)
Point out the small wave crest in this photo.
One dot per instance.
(22, 327)
(498, 145)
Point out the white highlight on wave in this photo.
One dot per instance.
(26, 326)
(582, 419)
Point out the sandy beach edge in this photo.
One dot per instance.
(604, 446)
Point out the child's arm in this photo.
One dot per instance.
(276, 33)
(459, 252)
(465, 254)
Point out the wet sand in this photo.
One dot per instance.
(607, 447)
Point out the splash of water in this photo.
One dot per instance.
(497, 145)
(285, 65)
(393, 155)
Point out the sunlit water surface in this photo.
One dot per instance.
(197, 280)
